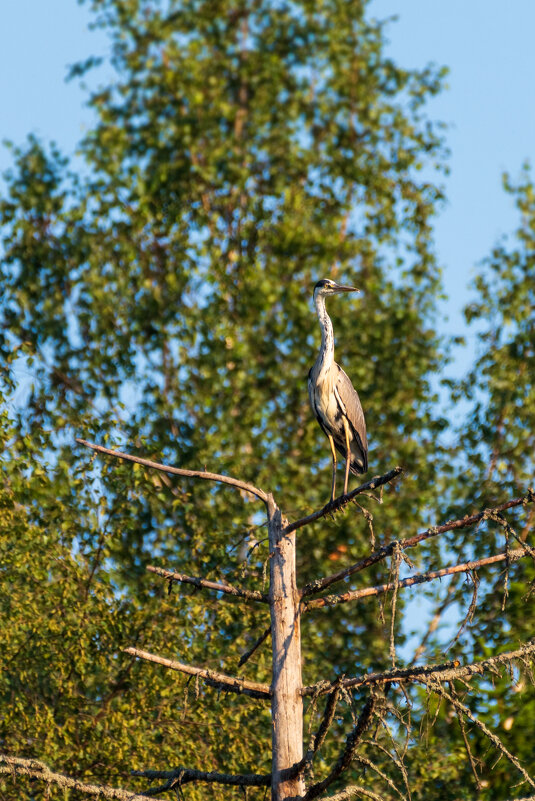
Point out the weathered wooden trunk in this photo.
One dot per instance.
(287, 703)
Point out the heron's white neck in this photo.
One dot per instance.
(326, 354)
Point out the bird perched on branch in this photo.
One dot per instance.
(334, 401)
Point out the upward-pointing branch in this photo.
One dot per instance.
(339, 503)
(177, 471)
(409, 542)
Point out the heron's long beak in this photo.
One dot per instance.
(341, 288)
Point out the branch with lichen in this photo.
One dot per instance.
(339, 503)
(423, 673)
(366, 592)
(410, 542)
(36, 770)
(218, 586)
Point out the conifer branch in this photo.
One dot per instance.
(177, 471)
(228, 589)
(365, 592)
(211, 677)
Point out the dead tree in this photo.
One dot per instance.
(291, 763)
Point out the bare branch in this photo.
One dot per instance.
(177, 471)
(180, 776)
(248, 654)
(343, 500)
(317, 739)
(14, 766)
(210, 677)
(228, 589)
(437, 688)
(471, 758)
(443, 672)
(353, 595)
(380, 554)
(344, 760)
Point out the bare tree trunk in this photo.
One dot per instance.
(287, 703)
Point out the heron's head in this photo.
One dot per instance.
(327, 287)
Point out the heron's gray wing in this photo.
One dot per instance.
(350, 402)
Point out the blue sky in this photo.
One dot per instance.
(490, 104)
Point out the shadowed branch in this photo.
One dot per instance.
(248, 654)
(179, 776)
(344, 760)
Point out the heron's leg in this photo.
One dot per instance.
(348, 454)
(333, 487)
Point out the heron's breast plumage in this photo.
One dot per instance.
(323, 400)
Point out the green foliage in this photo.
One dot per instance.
(158, 299)
(497, 462)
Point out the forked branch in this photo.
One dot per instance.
(177, 471)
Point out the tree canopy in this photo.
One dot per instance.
(156, 293)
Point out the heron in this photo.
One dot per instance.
(334, 401)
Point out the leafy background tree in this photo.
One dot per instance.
(160, 299)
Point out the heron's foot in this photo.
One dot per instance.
(335, 504)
